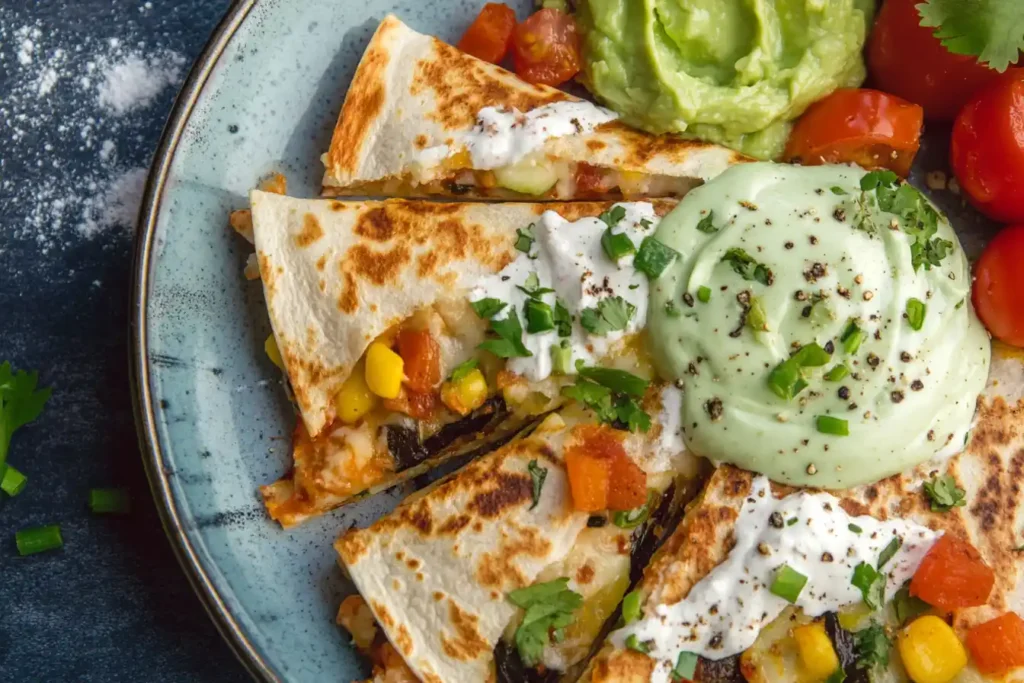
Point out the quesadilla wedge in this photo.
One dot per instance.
(422, 118)
(445, 575)
(411, 332)
(698, 565)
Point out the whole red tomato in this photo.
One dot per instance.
(998, 284)
(546, 48)
(987, 150)
(905, 59)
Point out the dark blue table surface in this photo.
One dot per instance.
(113, 605)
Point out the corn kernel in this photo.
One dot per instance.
(931, 651)
(355, 398)
(384, 370)
(273, 353)
(467, 394)
(816, 652)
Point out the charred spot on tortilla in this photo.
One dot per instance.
(466, 643)
(311, 231)
(378, 267)
(507, 489)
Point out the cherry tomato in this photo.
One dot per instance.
(859, 126)
(546, 48)
(490, 34)
(906, 59)
(987, 151)
(422, 357)
(998, 283)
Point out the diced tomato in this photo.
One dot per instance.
(628, 485)
(987, 152)
(601, 474)
(997, 645)
(907, 60)
(589, 179)
(998, 283)
(858, 126)
(490, 34)
(952, 575)
(546, 48)
(422, 357)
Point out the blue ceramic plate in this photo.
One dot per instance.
(213, 418)
(212, 414)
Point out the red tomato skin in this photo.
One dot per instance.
(905, 59)
(952, 575)
(987, 151)
(546, 48)
(998, 291)
(997, 646)
(489, 36)
(860, 126)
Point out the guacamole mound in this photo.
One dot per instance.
(735, 72)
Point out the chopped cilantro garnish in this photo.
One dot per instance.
(838, 190)
(463, 369)
(872, 646)
(510, 337)
(611, 314)
(488, 308)
(907, 606)
(871, 584)
(613, 216)
(611, 394)
(549, 607)
(991, 30)
(618, 381)
(20, 403)
(944, 493)
(563, 321)
(532, 288)
(747, 267)
(706, 224)
(538, 474)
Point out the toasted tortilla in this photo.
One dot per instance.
(437, 571)
(412, 92)
(990, 470)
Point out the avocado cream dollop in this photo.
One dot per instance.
(821, 339)
(734, 72)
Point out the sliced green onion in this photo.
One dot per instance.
(630, 519)
(633, 643)
(832, 425)
(837, 373)
(812, 356)
(855, 529)
(785, 380)
(792, 520)
(852, 338)
(915, 313)
(617, 244)
(889, 551)
(109, 501)
(631, 607)
(788, 584)
(561, 358)
(654, 257)
(686, 667)
(539, 316)
(13, 481)
(38, 539)
(703, 296)
(524, 240)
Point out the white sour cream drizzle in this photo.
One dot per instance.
(568, 257)
(725, 611)
(501, 137)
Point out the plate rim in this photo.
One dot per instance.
(142, 400)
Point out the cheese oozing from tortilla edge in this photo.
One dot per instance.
(569, 258)
(502, 137)
(725, 611)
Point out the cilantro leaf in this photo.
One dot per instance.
(618, 381)
(510, 341)
(532, 288)
(563, 321)
(20, 403)
(871, 584)
(991, 30)
(872, 646)
(488, 308)
(944, 493)
(613, 216)
(538, 474)
(611, 315)
(906, 606)
(549, 607)
(748, 267)
(706, 224)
